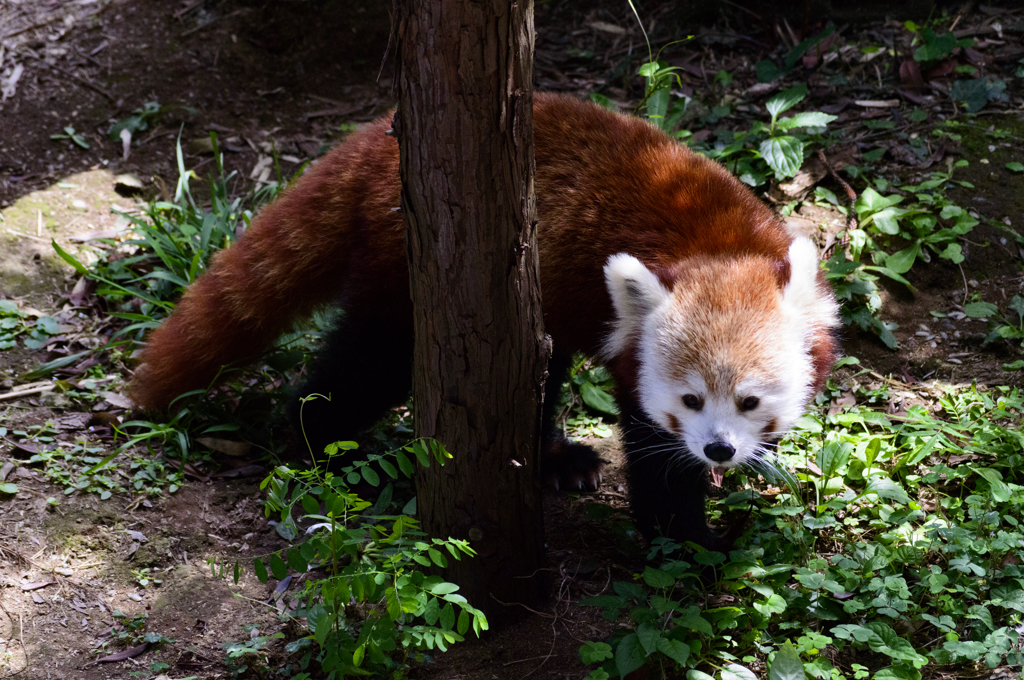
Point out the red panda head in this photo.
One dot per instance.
(726, 357)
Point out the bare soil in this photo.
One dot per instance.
(290, 77)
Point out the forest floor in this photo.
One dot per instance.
(268, 81)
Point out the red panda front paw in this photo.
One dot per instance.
(570, 466)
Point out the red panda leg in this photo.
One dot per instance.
(565, 465)
(365, 367)
(667, 486)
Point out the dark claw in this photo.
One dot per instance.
(571, 465)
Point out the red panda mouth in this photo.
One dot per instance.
(717, 474)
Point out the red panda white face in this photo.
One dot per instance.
(725, 355)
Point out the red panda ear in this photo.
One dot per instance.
(805, 294)
(635, 293)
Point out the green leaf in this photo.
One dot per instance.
(734, 671)
(787, 664)
(786, 100)
(78, 266)
(784, 155)
(629, 655)
(8, 488)
(1014, 166)
(775, 604)
(694, 674)
(973, 93)
(767, 71)
(691, 618)
(676, 650)
(886, 641)
(648, 635)
(277, 567)
(296, 561)
(404, 464)
(595, 652)
(980, 310)
(443, 588)
(310, 505)
(370, 475)
(901, 262)
(656, 578)
(886, 488)
(806, 119)
(598, 399)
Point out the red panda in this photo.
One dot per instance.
(715, 322)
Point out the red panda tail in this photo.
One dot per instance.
(294, 257)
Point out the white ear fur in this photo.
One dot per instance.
(635, 292)
(801, 295)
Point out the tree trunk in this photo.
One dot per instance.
(465, 129)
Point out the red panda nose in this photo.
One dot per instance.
(719, 451)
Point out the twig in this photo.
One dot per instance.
(34, 390)
(34, 238)
(966, 289)
(532, 658)
(83, 81)
(211, 22)
(19, 31)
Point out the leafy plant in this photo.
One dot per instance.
(131, 631)
(242, 657)
(657, 105)
(929, 225)
(1002, 326)
(587, 400)
(139, 121)
(15, 323)
(79, 468)
(376, 609)
(76, 137)
(767, 70)
(899, 557)
(776, 149)
(934, 46)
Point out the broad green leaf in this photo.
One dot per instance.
(734, 671)
(277, 567)
(648, 635)
(807, 119)
(370, 475)
(767, 71)
(786, 100)
(443, 588)
(980, 310)
(296, 561)
(886, 488)
(629, 655)
(595, 652)
(775, 604)
(784, 155)
(656, 578)
(674, 649)
(787, 664)
(598, 399)
(901, 262)
(973, 93)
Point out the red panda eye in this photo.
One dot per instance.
(749, 403)
(692, 401)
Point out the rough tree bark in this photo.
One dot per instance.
(465, 129)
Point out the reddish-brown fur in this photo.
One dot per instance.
(606, 183)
